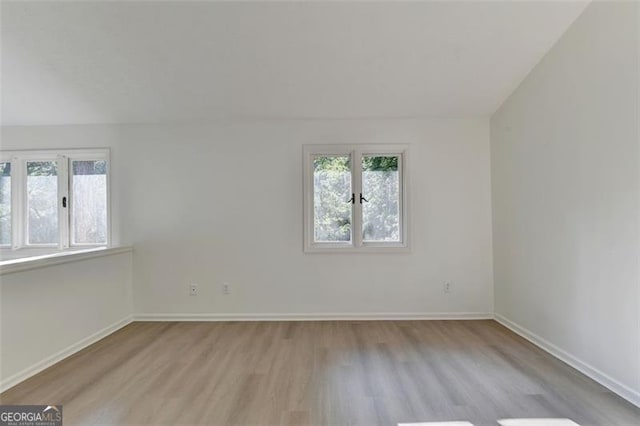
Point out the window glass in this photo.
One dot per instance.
(332, 198)
(89, 202)
(381, 198)
(5, 203)
(42, 205)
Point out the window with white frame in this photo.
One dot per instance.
(355, 198)
(54, 199)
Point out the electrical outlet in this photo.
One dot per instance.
(193, 289)
(226, 289)
(447, 287)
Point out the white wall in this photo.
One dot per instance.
(565, 182)
(223, 202)
(48, 313)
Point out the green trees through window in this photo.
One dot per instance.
(331, 198)
(381, 188)
(42, 202)
(54, 199)
(332, 184)
(89, 202)
(5, 203)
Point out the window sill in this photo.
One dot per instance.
(34, 262)
(397, 249)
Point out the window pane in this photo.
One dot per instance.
(331, 195)
(89, 202)
(5, 203)
(381, 187)
(42, 197)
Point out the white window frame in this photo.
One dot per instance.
(19, 222)
(356, 245)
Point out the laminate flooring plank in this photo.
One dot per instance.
(317, 373)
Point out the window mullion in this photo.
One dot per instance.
(356, 170)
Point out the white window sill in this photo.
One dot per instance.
(332, 249)
(34, 262)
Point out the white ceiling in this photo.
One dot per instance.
(128, 62)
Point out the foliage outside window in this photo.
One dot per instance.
(331, 189)
(354, 198)
(5, 203)
(54, 199)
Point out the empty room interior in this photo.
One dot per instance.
(320, 213)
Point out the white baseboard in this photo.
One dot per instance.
(376, 316)
(59, 356)
(605, 380)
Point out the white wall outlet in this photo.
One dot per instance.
(193, 289)
(447, 287)
(226, 289)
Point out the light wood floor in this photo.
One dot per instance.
(324, 373)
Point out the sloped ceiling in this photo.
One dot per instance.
(146, 62)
